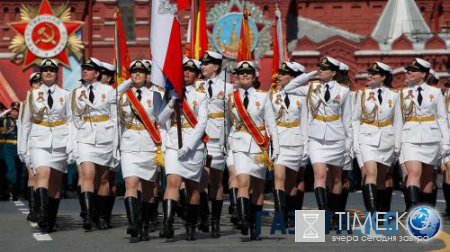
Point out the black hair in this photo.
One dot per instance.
(256, 83)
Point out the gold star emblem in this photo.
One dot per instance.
(283, 66)
(245, 65)
(190, 63)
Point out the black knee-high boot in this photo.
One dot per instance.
(299, 200)
(191, 221)
(446, 190)
(413, 195)
(344, 197)
(243, 205)
(32, 204)
(153, 216)
(111, 200)
(145, 221)
(321, 198)
(169, 207)
(181, 209)
(42, 216)
(233, 206)
(371, 197)
(389, 190)
(280, 203)
(80, 201)
(216, 207)
(204, 212)
(427, 199)
(434, 199)
(87, 206)
(53, 205)
(102, 210)
(254, 209)
(335, 204)
(291, 206)
(131, 206)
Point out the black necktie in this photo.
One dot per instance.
(91, 94)
(139, 96)
(210, 88)
(287, 101)
(50, 99)
(246, 99)
(327, 93)
(419, 97)
(380, 98)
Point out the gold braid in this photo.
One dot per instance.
(370, 116)
(75, 111)
(406, 112)
(314, 108)
(40, 114)
(447, 102)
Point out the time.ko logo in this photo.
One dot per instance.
(424, 222)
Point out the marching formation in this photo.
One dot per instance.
(145, 130)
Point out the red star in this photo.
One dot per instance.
(62, 57)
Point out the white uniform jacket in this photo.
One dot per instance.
(135, 137)
(216, 103)
(377, 124)
(192, 137)
(329, 120)
(96, 130)
(425, 123)
(291, 122)
(261, 112)
(45, 127)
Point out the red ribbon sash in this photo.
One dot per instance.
(148, 124)
(191, 117)
(261, 140)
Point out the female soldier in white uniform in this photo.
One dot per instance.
(141, 150)
(425, 131)
(185, 163)
(46, 136)
(35, 82)
(446, 160)
(95, 138)
(377, 125)
(291, 116)
(330, 130)
(253, 119)
(217, 91)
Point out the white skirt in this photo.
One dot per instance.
(230, 159)
(245, 164)
(291, 157)
(218, 160)
(53, 158)
(427, 153)
(189, 168)
(139, 164)
(97, 154)
(328, 152)
(374, 153)
(446, 159)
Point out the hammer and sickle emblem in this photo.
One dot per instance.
(44, 36)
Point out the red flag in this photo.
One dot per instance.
(121, 56)
(165, 43)
(200, 38)
(279, 46)
(245, 50)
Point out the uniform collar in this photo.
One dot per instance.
(189, 88)
(143, 89)
(46, 89)
(331, 84)
(213, 80)
(422, 85)
(250, 91)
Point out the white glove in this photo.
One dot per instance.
(182, 153)
(23, 156)
(274, 158)
(397, 152)
(356, 149)
(70, 159)
(445, 151)
(172, 101)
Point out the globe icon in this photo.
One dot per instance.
(424, 222)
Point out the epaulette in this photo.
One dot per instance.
(160, 89)
(434, 87)
(261, 91)
(343, 85)
(200, 90)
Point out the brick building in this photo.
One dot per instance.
(355, 32)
